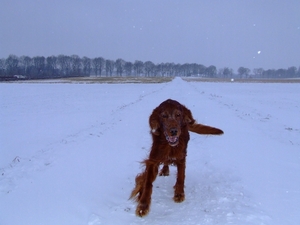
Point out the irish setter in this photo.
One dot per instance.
(170, 124)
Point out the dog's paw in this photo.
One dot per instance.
(142, 210)
(164, 171)
(179, 197)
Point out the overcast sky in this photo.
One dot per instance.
(232, 33)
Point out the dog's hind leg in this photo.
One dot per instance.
(144, 199)
(165, 170)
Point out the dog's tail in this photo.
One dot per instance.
(203, 129)
(137, 191)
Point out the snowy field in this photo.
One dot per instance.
(70, 153)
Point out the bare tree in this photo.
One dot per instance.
(26, 63)
(2, 66)
(227, 72)
(185, 70)
(161, 69)
(109, 67)
(138, 67)
(176, 69)
(258, 72)
(86, 62)
(269, 73)
(98, 64)
(292, 71)
(65, 64)
(211, 71)
(120, 63)
(243, 72)
(171, 69)
(39, 65)
(128, 68)
(76, 65)
(11, 64)
(149, 66)
(51, 66)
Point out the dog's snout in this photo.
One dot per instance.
(173, 131)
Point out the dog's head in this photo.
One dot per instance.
(168, 119)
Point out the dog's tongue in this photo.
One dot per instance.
(172, 139)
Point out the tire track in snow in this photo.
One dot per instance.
(255, 112)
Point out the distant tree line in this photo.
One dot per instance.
(291, 72)
(39, 67)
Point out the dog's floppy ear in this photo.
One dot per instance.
(195, 127)
(187, 116)
(154, 122)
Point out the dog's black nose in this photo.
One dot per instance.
(173, 131)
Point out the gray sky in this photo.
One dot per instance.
(233, 33)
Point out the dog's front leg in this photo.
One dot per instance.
(179, 186)
(144, 202)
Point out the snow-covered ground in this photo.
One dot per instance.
(69, 154)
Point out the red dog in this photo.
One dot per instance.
(170, 124)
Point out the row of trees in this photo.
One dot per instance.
(67, 66)
(291, 72)
(64, 66)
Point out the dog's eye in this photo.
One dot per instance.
(178, 115)
(165, 116)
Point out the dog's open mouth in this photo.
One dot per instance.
(173, 140)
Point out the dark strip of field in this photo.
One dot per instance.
(151, 80)
(242, 80)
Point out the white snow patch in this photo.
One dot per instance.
(70, 153)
